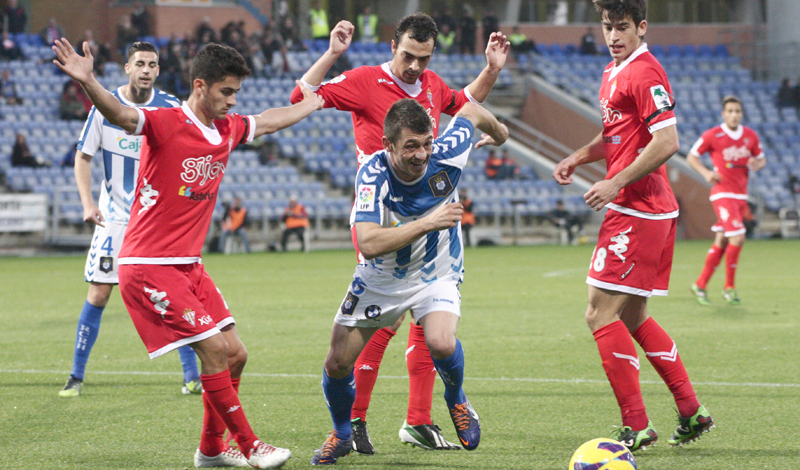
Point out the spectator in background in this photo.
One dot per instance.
(296, 219)
(318, 21)
(797, 93)
(443, 17)
(467, 217)
(9, 50)
(8, 89)
(16, 17)
(566, 221)
(367, 23)
(126, 34)
(234, 223)
(446, 39)
(510, 169)
(588, 43)
(21, 154)
(288, 33)
(467, 29)
(786, 94)
(205, 33)
(140, 19)
(493, 165)
(101, 52)
(71, 106)
(519, 41)
(490, 24)
(51, 32)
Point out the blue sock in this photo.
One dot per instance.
(88, 328)
(340, 395)
(189, 364)
(451, 370)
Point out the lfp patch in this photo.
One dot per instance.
(366, 197)
(660, 96)
(440, 184)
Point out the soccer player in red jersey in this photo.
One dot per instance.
(169, 296)
(735, 150)
(368, 92)
(633, 256)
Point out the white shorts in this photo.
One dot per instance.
(363, 307)
(101, 263)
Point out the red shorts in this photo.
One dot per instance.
(633, 255)
(730, 216)
(172, 305)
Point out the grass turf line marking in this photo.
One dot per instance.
(405, 377)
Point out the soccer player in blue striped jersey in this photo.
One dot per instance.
(407, 220)
(120, 153)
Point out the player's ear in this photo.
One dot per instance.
(394, 47)
(199, 84)
(642, 28)
(387, 144)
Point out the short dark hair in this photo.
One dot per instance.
(617, 10)
(406, 114)
(731, 99)
(141, 46)
(214, 62)
(419, 26)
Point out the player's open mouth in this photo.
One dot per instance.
(616, 48)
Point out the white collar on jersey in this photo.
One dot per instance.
(618, 68)
(136, 105)
(411, 90)
(735, 135)
(210, 133)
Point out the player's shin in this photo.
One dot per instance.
(451, 370)
(622, 369)
(712, 261)
(224, 400)
(663, 355)
(421, 377)
(366, 371)
(88, 329)
(339, 395)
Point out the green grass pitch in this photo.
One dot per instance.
(533, 372)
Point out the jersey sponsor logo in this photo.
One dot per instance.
(440, 184)
(189, 315)
(372, 312)
(349, 304)
(366, 197)
(201, 168)
(620, 244)
(148, 198)
(614, 139)
(396, 198)
(160, 302)
(625, 274)
(106, 264)
(733, 153)
(205, 320)
(724, 214)
(609, 115)
(129, 144)
(186, 191)
(383, 80)
(660, 97)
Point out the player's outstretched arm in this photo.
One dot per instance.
(664, 144)
(83, 177)
(495, 132)
(341, 36)
(275, 119)
(496, 55)
(80, 69)
(709, 175)
(375, 240)
(591, 152)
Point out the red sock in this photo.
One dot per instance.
(421, 377)
(366, 371)
(211, 442)
(235, 384)
(222, 397)
(663, 355)
(622, 368)
(731, 261)
(712, 261)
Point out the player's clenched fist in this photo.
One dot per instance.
(446, 216)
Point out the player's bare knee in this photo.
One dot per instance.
(237, 358)
(441, 345)
(737, 240)
(99, 294)
(337, 367)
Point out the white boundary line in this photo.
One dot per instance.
(405, 377)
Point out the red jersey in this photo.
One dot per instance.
(730, 151)
(368, 93)
(636, 100)
(180, 169)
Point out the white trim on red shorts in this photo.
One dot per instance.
(640, 214)
(733, 233)
(161, 261)
(740, 197)
(626, 289)
(184, 342)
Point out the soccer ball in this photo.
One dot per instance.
(602, 454)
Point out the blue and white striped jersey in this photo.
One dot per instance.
(120, 155)
(384, 199)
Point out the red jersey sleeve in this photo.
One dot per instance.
(243, 128)
(157, 124)
(457, 100)
(703, 144)
(654, 98)
(755, 146)
(347, 92)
